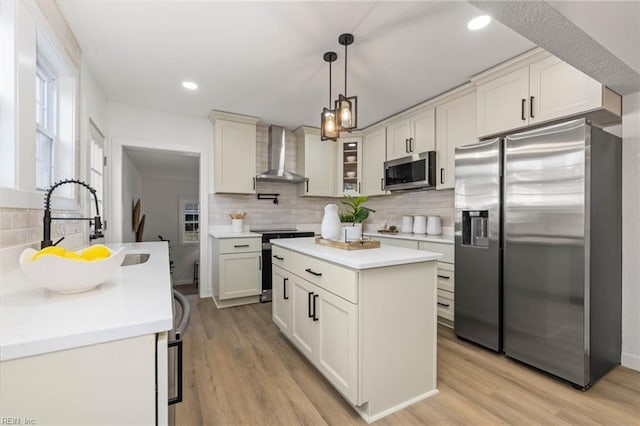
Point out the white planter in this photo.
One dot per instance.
(352, 232)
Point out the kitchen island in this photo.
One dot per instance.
(366, 319)
(91, 357)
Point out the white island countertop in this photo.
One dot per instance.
(136, 302)
(357, 259)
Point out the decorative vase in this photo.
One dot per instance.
(331, 229)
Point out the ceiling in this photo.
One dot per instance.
(164, 164)
(265, 58)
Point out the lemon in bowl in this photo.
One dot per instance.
(70, 272)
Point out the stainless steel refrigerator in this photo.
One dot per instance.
(538, 248)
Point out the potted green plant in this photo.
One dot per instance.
(355, 215)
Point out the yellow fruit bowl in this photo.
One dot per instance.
(70, 272)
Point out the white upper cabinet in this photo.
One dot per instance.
(317, 161)
(455, 126)
(541, 88)
(373, 158)
(411, 135)
(556, 89)
(234, 141)
(501, 103)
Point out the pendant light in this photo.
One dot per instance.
(346, 108)
(328, 125)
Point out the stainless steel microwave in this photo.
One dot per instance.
(417, 171)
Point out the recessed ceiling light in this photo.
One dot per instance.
(479, 22)
(189, 85)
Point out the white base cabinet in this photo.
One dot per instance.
(371, 332)
(103, 384)
(237, 271)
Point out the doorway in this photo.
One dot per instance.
(160, 201)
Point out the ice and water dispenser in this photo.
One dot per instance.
(474, 228)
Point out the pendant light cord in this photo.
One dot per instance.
(329, 85)
(345, 70)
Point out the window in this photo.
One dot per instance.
(189, 221)
(46, 120)
(96, 167)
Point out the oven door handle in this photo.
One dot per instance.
(178, 345)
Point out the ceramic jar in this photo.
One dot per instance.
(331, 229)
(420, 225)
(407, 225)
(434, 225)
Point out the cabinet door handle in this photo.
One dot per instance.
(241, 245)
(524, 101)
(446, 305)
(254, 183)
(410, 144)
(307, 183)
(317, 274)
(358, 187)
(278, 257)
(381, 184)
(315, 317)
(178, 345)
(406, 146)
(309, 296)
(443, 276)
(259, 263)
(442, 175)
(284, 289)
(531, 106)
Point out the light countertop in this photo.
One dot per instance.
(445, 238)
(229, 234)
(136, 302)
(357, 259)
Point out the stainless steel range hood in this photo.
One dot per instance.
(277, 150)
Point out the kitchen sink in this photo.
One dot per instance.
(134, 259)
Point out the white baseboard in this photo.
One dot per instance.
(631, 361)
(370, 419)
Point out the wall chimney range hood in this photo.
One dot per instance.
(277, 150)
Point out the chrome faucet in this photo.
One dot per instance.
(95, 221)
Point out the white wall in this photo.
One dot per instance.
(631, 231)
(131, 192)
(160, 200)
(130, 126)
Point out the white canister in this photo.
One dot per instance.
(434, 225)
(331, 228)
(236, 225)
(407, 225)
(420, 225)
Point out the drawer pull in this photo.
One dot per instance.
(309, 296)
(446, 305)
(443, 276)
(317, 274)
(241, 245)
(315, 317)
(275, 256)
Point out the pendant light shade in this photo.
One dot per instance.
(346, 107)
(328, 123)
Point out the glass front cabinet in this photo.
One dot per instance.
(349, 165)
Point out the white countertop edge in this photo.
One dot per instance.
(56, 343)
(444, 239)
(357, 259)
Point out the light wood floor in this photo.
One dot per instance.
(238, 370)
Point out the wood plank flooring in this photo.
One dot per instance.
(239, 370)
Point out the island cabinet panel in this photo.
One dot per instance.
(282, 300)
(350, 324)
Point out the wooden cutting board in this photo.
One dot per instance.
(353, 245)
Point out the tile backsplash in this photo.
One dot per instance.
(294, 210)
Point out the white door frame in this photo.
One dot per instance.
(114, 233)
